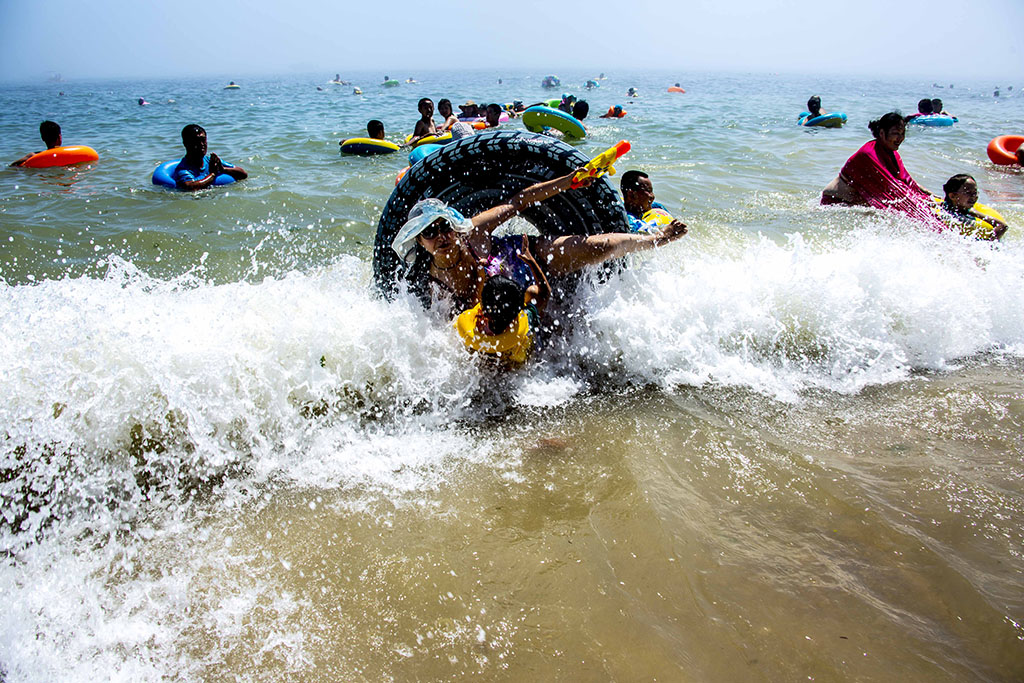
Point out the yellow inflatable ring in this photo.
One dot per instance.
(979, 228)
(430, 139)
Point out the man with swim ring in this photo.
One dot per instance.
(198, 170)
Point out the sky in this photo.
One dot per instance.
(933, 39)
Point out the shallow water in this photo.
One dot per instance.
(787, 446)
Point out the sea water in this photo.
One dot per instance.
(786, 446)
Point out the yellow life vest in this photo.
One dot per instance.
(513, 344)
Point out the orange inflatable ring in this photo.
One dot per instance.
(62, 156)
(401, 174)
(611, 112)
(1003, 149)
(675, 88)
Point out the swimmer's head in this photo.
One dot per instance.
(493, 113)
(580, 110)
(936, 105)
(637, 192)
(886, 123)
(426, 106)
(961, 191)
(49, 131)
(1020, 155)
(500, 303)
(444, 107)
(924, 106)
(375, 129)
(193, 136)
(814, 104)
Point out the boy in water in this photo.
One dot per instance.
(375, 129)
(638, 196)
(197, 169)
(49, 131)
(506, 322)
(961, 196)
(814, 107)
(425, 126)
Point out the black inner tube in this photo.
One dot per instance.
(482, 171)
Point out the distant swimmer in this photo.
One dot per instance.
(49, 131)
(232, 86)
(632, 92)
(937, 107)
(375, 129)
(814, 107)
(143, 102)
(614, 112)
(197, 169)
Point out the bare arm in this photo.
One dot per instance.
(569, 253)
(486, 222)
(538, 293)
(19, 162)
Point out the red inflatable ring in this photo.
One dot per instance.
(1003, 149)
(61, 156)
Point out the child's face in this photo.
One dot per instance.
(966, 197)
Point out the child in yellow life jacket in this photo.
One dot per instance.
(506, 322)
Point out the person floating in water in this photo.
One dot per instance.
(198, 170)
(375, 129)
(49, 131)
(924, 108)
(958, 205)
(614, 112)
(875, 176)
(937, 107)
(645, 215)
(143, 102)
(814, 107)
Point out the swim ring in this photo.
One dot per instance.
(934, 120)
(536, 119)
(232, 86)
(675, 88)
(164, 175)
(497, 164)
(61, 156)
(834, 120)
(1003, 149)
(418, 153)
(393, 83)
(430, 139)
(401, 174)
(367, 146)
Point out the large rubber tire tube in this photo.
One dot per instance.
(482, 171)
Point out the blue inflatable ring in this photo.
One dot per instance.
(164, 175)
(833, 120)
(934, 120)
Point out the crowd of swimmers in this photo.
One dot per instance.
(496, 289)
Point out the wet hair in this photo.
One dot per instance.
(424, 100)
(924, 106)
(580, 110)
(191, 131)
(936, 105)
(886, 122)
(631, 180)
(814, 104)
(49, 131)
(956, 183)
(373, 127)
(502, 300)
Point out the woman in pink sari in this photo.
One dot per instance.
(875, 176)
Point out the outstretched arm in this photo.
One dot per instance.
(487, 221)
(19, 162)
(569, 253)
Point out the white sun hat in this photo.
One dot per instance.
(425, 212)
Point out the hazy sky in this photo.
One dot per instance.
(939, 39)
